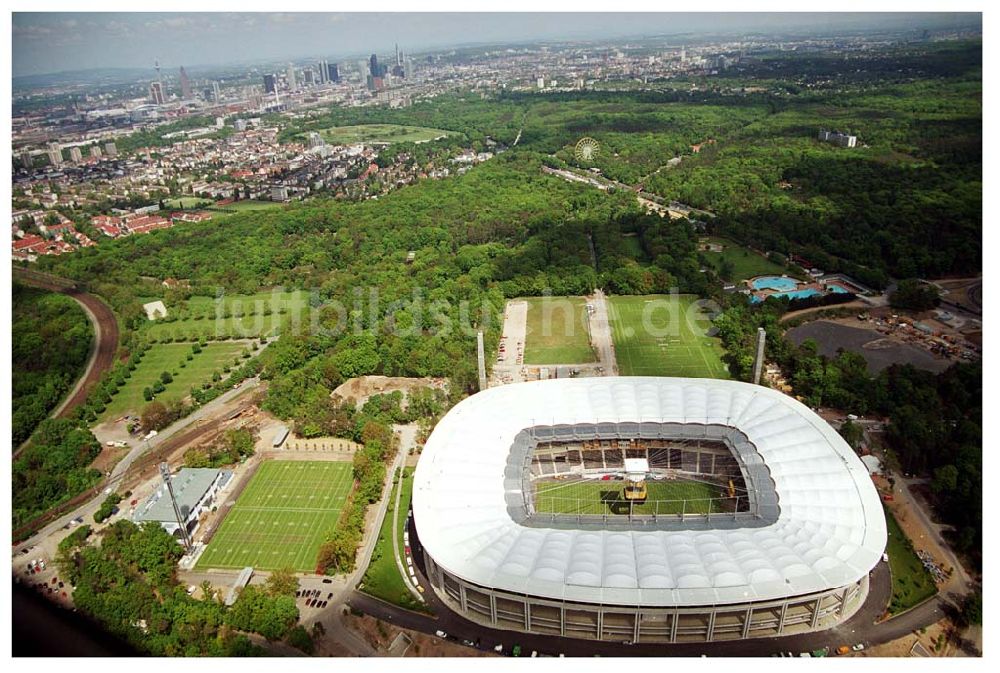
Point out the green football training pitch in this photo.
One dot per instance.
(282, 517)
(664, 335)
(606, 497)
(556, 331)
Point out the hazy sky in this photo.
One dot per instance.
(55, 42)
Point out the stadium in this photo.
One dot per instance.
(642, 509)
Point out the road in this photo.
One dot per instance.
(215, 411)
(600, 334)
(959, 583)
(816, 309)
(145, 457)
(861, 627)
(407, 441)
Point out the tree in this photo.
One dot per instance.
(852, 433)
(299, 638)
(165, 377)
(972, 608)
(282, 582)
(208, 592)
(945, 479)
(147, 394)
(338, 552)
(256, 610)
(914, 295)
(156, 416)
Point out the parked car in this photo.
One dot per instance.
(858, 647)
(440, 634)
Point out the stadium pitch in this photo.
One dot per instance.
(594, 496)
(282, 517)
(673, 343)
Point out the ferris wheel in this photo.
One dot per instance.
(586, 150)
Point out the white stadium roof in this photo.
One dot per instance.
(829, 532)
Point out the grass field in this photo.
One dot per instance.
(240, 206)
(673, 343)
(282, 517)
(187, 202)
(911, 583)
(380, 133)
(382, 578)
(557, 332)
(746, 263)
(168, 358)
(200, 316)
(605, 497)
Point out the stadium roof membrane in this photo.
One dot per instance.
(829, 533)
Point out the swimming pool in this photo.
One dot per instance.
(793, 294)
(837, 289)
(774, 283)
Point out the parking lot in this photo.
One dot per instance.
(34, 569)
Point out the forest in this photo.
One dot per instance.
(128, 584)
(935, 421)
(51, 339)
(906, 202)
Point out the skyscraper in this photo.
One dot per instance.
(156, 92)
(55, 154)
(290, 76)
(307, 77)
(269, 86)
(185, 85)
(321, 67)
(111, 149)
(373, 67)
(216, 94)
(332, 72)
(397, 69)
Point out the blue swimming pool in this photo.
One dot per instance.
(774, 283)
(837, 289)
(793, 294)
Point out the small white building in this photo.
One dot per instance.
(155, 309)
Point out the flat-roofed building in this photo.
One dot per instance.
(195, 490)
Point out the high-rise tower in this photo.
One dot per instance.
(185, 85)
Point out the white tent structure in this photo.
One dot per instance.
(803, 554)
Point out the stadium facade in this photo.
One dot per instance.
(792, 553)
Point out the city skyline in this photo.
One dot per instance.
(43, 43)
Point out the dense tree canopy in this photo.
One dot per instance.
(51, 339)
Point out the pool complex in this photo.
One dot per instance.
(793, 294)
(782, 283)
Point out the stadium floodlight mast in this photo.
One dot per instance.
(165, 473)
